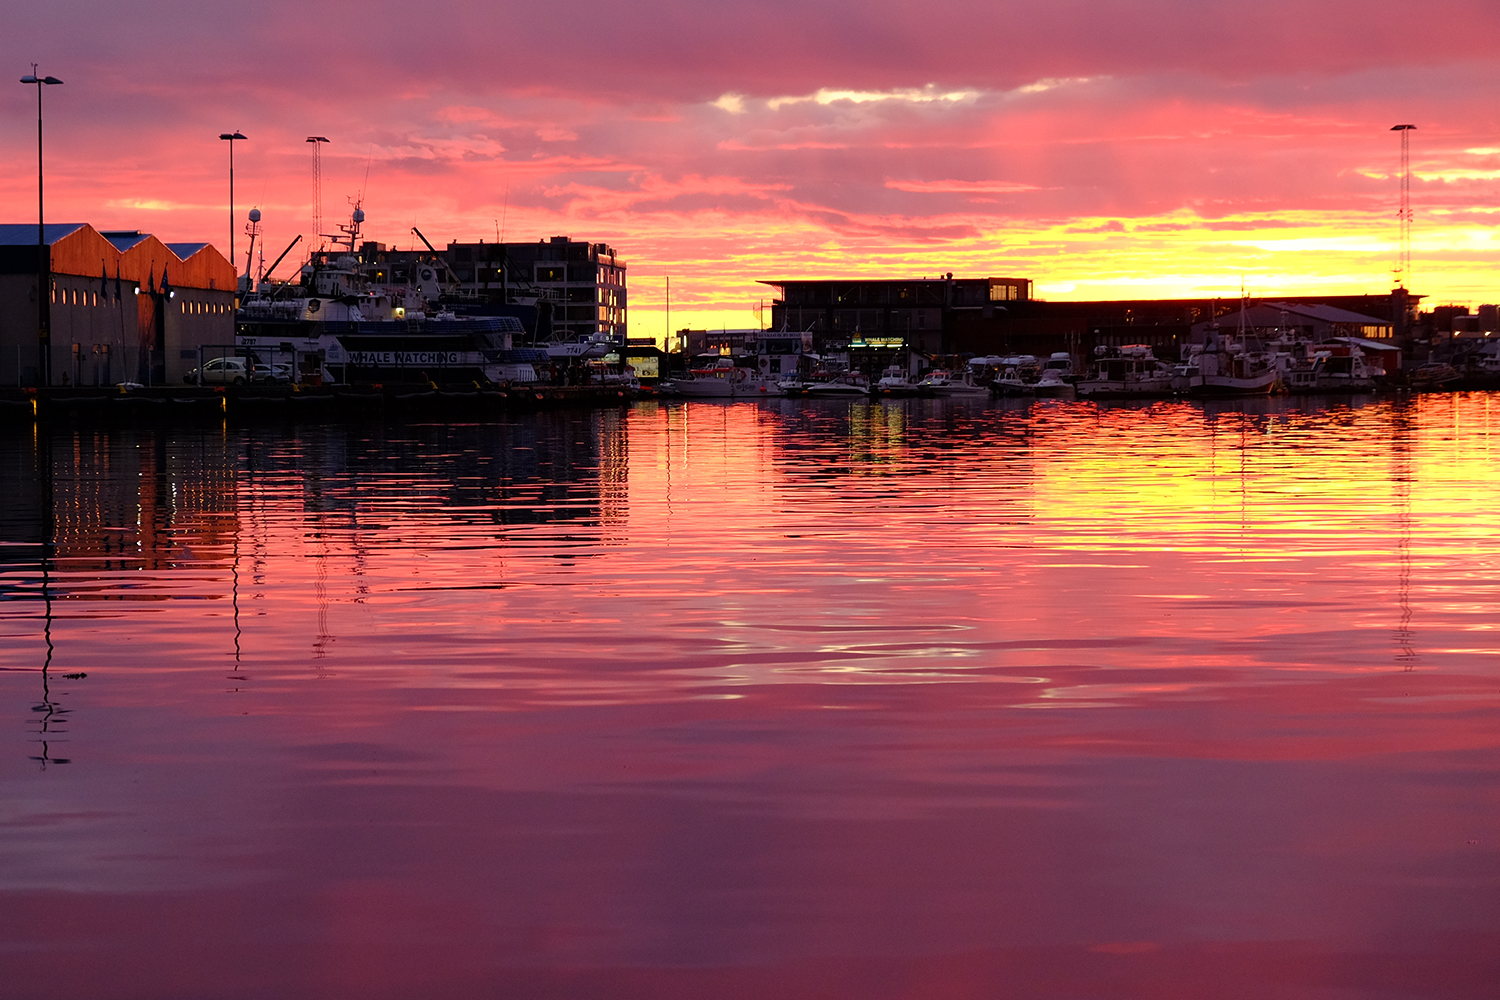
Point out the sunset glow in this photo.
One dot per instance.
(1101, 149)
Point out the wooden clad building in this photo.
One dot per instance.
(121, 306)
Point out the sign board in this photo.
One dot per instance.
(414, 359)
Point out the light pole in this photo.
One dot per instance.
(43, 292)
(231, 136)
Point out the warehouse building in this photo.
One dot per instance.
(119, 306)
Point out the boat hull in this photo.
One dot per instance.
(1263, 384)
(1149, 388)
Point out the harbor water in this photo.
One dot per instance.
(806, 699)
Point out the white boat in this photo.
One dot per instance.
(1015, 375)
(1343, 372)
(584, 348)
(896, 381)
(715, 382)
(1051, 384)
(1130, 372)
(1234, 371)
(725, 380)
(842, 384)
(941, 382)
(1230, 366)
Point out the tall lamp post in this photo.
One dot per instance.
(231, 136)
(43, 292)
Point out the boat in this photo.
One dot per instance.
(725, 380)
(1233, 372)
(1061, 363)
(1434, 376)
(896, 381)
(1130, 372)
(335, 326)
(1341, 370)
(846, 383)
(1052, 384)
(942, 382)
(1016, 376)
(1230, 365)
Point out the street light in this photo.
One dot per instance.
(43, 305)
(231, 136)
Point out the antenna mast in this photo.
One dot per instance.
(317, 141)
(1403, 254)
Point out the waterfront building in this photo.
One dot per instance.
(560, 289)
(891, 314)
(120, 305)
(876, 321)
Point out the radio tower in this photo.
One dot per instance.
(317, 141)
(1403, 254)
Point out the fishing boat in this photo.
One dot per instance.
(1231, 365)
(1130, 372)
(335, 326)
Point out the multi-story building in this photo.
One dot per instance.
(915, 314)
(583, 282)
(560, 289)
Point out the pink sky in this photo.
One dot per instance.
(1100, 148)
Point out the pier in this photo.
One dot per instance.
(282, 402)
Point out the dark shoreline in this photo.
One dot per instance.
(259, 402)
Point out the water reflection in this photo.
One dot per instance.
(813, 698)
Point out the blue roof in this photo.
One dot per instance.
(124, 239)
(22, 234)
(185, 250)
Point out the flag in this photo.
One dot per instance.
(166, 289)
(103, 280)
(151, 280)
(118, 294)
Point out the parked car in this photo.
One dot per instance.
(222, 371)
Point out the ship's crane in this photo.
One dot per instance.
(278, 260)
(453, 282)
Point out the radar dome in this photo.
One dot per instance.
(255, 215)
(359, 215)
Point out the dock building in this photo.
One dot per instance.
(116, 305)
(874, 318)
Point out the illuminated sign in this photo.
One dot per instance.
(415, 359)
(647, 367)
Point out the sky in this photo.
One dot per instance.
(1102, 148)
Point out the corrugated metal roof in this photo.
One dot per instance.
(1329, 314)
(22, 234)
(185, 250)
(1368, 344)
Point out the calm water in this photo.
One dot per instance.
(916, 700)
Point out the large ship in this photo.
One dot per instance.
(335, 324)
